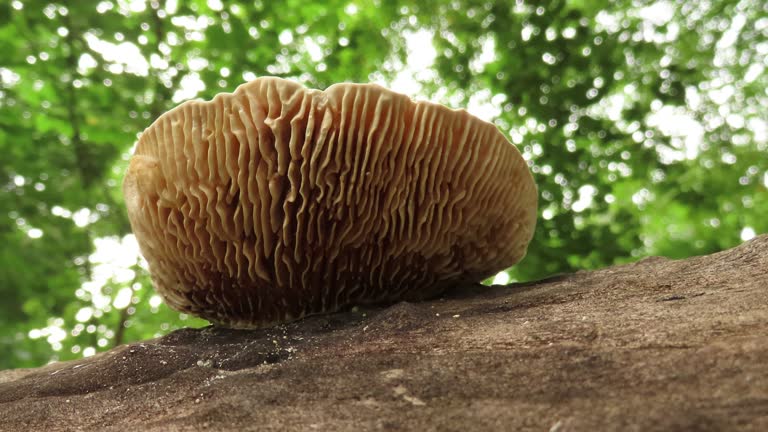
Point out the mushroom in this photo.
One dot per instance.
(276, 202)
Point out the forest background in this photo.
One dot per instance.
(644, 122)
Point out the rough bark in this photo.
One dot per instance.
(655, 345)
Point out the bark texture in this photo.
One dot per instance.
(655, 345)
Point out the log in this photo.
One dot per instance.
(655, 345)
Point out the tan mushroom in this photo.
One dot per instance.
(275, 201)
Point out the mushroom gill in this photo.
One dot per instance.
(275, 201)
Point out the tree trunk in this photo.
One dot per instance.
(655, 345)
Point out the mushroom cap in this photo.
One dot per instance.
(276, 201)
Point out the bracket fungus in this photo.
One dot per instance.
(276, 202)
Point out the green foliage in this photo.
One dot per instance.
(644, 123)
